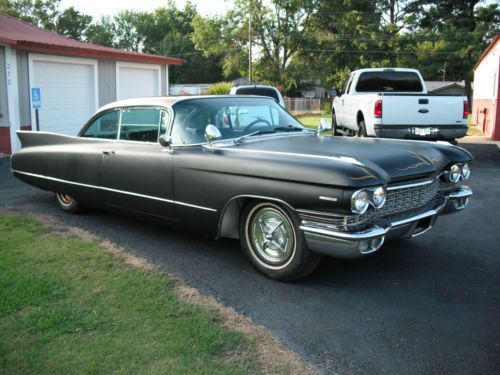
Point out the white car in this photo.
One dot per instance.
(394, 103)
(260, 90)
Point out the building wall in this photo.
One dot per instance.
(163, 80)
(486, 102)
(24, 88)
(106, 81)
(4, 107)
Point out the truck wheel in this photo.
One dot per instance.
(334, 124)
(271, 238)
(361, 129)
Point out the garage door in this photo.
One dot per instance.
(137, 80)
(68, 92)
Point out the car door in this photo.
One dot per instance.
(136, 171)
(339, 103)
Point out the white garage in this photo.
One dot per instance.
(74, 79)
(137, 80)
(68, 89)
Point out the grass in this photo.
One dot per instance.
(68, 307)
(312, 121)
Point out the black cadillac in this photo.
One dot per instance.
(242, 167)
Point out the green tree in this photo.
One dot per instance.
(41, 13)
(102, 32)
(73, 24)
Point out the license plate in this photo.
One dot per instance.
(422, 131)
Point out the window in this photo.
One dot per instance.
(105, 126)
(140, 124)
(234, 117)
(386, 81)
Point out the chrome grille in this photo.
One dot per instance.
(405, 199)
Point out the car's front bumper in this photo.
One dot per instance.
(356, 244)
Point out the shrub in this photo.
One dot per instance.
(219, 88)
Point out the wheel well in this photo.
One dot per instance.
(229, 221)
(359, 117)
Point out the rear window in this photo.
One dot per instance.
(261, 91)
(389, 82)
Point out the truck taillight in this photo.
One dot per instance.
(377, 111)
(466, 108)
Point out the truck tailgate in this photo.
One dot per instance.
(408, 109)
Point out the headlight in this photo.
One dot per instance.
(378, 197)
(360, 202)
(465, 171)
(454, 174)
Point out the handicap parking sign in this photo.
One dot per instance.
(36, 99)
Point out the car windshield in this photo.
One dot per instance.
(235, 117)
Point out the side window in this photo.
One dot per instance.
(105, 126)
(351, 78)
(140, 124)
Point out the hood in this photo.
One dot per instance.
(344, 161)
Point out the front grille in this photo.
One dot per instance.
(403, 201)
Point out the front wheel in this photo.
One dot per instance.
(67, 203)
(271, 238)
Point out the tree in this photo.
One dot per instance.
(41, 13)
(127, 25)
(73, 24)
(101, 32)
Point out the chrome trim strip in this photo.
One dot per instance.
(423, 215)
(410, 185)
(344, 159)
(114, 190)
(375, 231)
(331, 199)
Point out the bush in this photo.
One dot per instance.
(219, 88)
(326, 108)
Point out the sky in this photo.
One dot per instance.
(98, 8)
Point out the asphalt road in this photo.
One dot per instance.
(430, 305)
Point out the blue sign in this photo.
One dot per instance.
(36, 98)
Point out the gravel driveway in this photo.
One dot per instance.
(429, 305)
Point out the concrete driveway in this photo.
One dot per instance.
(430, 305)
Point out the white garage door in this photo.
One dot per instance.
(68, 92)
(137, 80)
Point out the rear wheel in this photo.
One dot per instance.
(271, 238)
(67, 203)
(361, 129)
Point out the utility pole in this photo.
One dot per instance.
(250, 48)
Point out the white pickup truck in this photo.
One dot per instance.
(393, 103)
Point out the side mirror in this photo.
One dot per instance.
(165, 140)
(333, 93)
(324, 125)
(212, 133)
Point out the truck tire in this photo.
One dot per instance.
(361, 129)
(334, 125)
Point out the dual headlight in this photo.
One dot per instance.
(457, 172)
(362, 199)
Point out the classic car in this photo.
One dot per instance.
(242, 167)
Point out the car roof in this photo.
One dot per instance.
(168, 101)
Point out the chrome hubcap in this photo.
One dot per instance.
(65, 198)
(272, 235)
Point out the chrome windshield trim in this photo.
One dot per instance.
(114, 190)
(410, 185)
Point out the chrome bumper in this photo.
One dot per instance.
(356, 244)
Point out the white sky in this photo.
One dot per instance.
(98, 8)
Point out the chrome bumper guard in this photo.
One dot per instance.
(356, 244)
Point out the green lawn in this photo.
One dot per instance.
(313, 121)
(69, 307)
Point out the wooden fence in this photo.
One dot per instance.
(298, 106)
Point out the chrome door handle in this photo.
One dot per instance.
(108, 152)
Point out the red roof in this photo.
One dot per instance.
(487, 50)
(24, 36)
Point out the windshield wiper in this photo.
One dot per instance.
(240, 139)
(289, 128)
